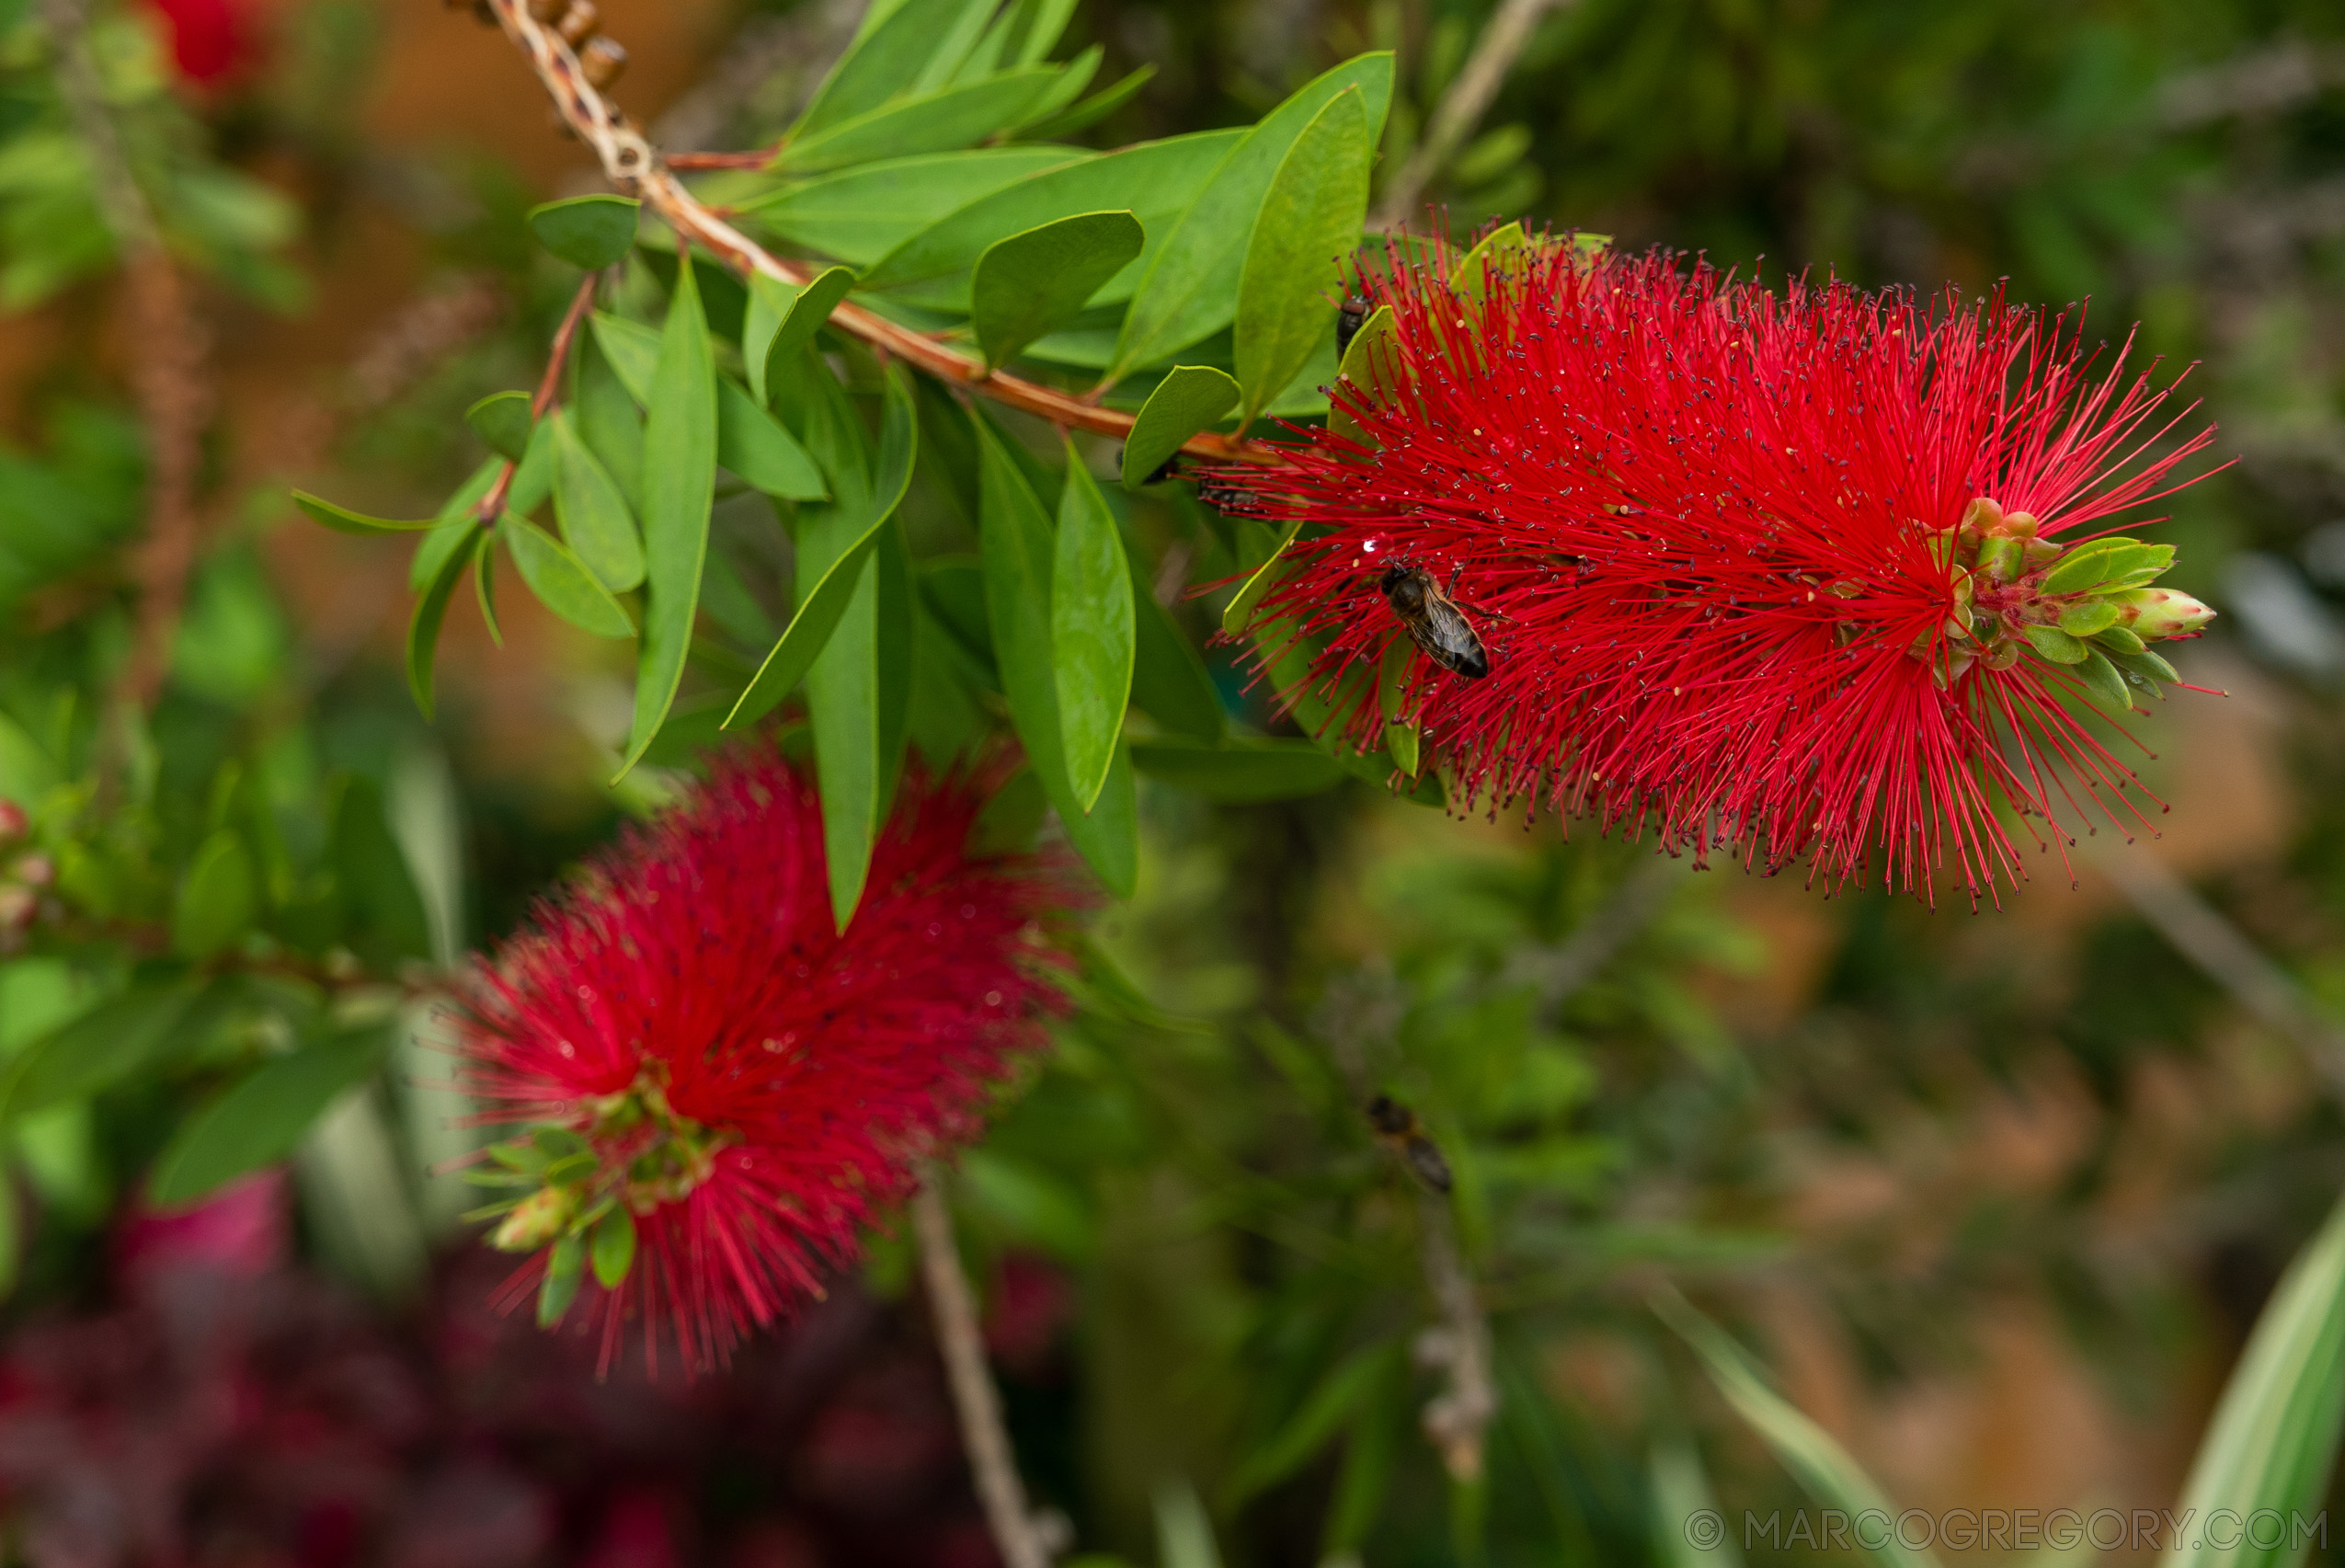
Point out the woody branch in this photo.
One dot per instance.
(635, 167)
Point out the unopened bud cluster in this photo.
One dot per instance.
(2089, 607)
(25, 875)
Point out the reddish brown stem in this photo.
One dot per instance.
(633, 165)
(492, 506)
(755, 158)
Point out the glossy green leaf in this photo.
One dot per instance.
(588, 231)
(933, 122)
(343, 521)
(1297, 256)
(958, 40)
(1499, 252)
(485, 580)
(1065, 85)
(1372, 367)
(1340, 1391)
(2055, 645)
(611, 1247)
(784, 318)
(860, 215)
(1819, 1464)
(1170, 682)
(1240, 611)
(824, 598)
(1190, 290)
(503, 420)
(564, 1271)
(1156, 180)
(2100, 678)
(1091, 110)
(2085, 567)
(431, 609)
(218, 896)
(886, 57)
(259, 1119)
(458, 520)
(605, 418)
(1393, 671)
(1091, 631)
(1193, 398)
(750, 442)
(1018, 550)
(1033, 282)
(1241, 772)
(595, 518)
(561, 580)
(105, 1045)
(679, 470)
(2271, 1446)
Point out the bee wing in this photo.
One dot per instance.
(1444, 633)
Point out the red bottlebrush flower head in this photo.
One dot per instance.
(725, 1086)
(208, 42)
(1820, 575)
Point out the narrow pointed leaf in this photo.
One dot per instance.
(606, 421)
(343, 521)
(1371, 367)
(503, 420)
(784, 319)
(885, 58)
(431, 609)
(1193, 398)
(595, 522)
(679, 470)
(1091, 111)
(1242, 770)
(1035, 282)
(259, 1119)
(748, 442)
(1308, 226)
(859, 215)
(933, 122)
(103, 1046)
(611, 1247)
(1091, 631)
(218, 897)
(589, 231)
(485, 581)
(562, 582)
(821, 605)
(564, 1270)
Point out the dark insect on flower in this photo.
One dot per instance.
(1219, 493)
(1350, 316)
(1433, 621)
(1397, 1129)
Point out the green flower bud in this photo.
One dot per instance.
(537, 1219)
(2152, 613)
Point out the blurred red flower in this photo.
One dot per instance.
(1798, 574)
(728, 1076)
(209, 40)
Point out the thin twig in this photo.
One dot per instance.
(492, 505)
(635, 167)
(169, 347)
(1463, 107)
(2224, 954)
(1456, 1419)
(975, 1400)
(1562, 970)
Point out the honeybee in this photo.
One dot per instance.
(1398, 1130)
(1433, 620)
(1350, 316)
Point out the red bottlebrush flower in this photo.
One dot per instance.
(721, 1075)
(208, 41)
(1807, 573)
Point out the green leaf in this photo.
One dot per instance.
(1340, 1391)
(258, 1120)
(679, 471)
(2149, 665)
(218, 896)
(1242, 772)
(1091, 631)
(606, 421)
(782, 319)
(1091, 111)
(2085, 567)
(562, 582)
(1373, 366)
(834, 581)
(565, 1269)
(1190, 290)
(933, 122)
(885, 58)
(1240, 611)
(1401, 737)
(2272, 1443)
(595, 520)
(1499, 252)
(1184, 1533)
(431, 609)
(856, 695)
(1807, 1450)
(589, 231)
(1018, 552)
(611, 1247)
(1193, 398)
(860, 215)
(373, 885)
(1302, 240)
(2088, 617)
(2100, 678)
(1156, 180)
(503, 420)
(1169, 681)
(105, 1044)
(2055, 645)
(1035, 282)
(1680, 1492)
(342, 521)
(748, 441)
(485, 581)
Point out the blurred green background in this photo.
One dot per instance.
(1996, 1195)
